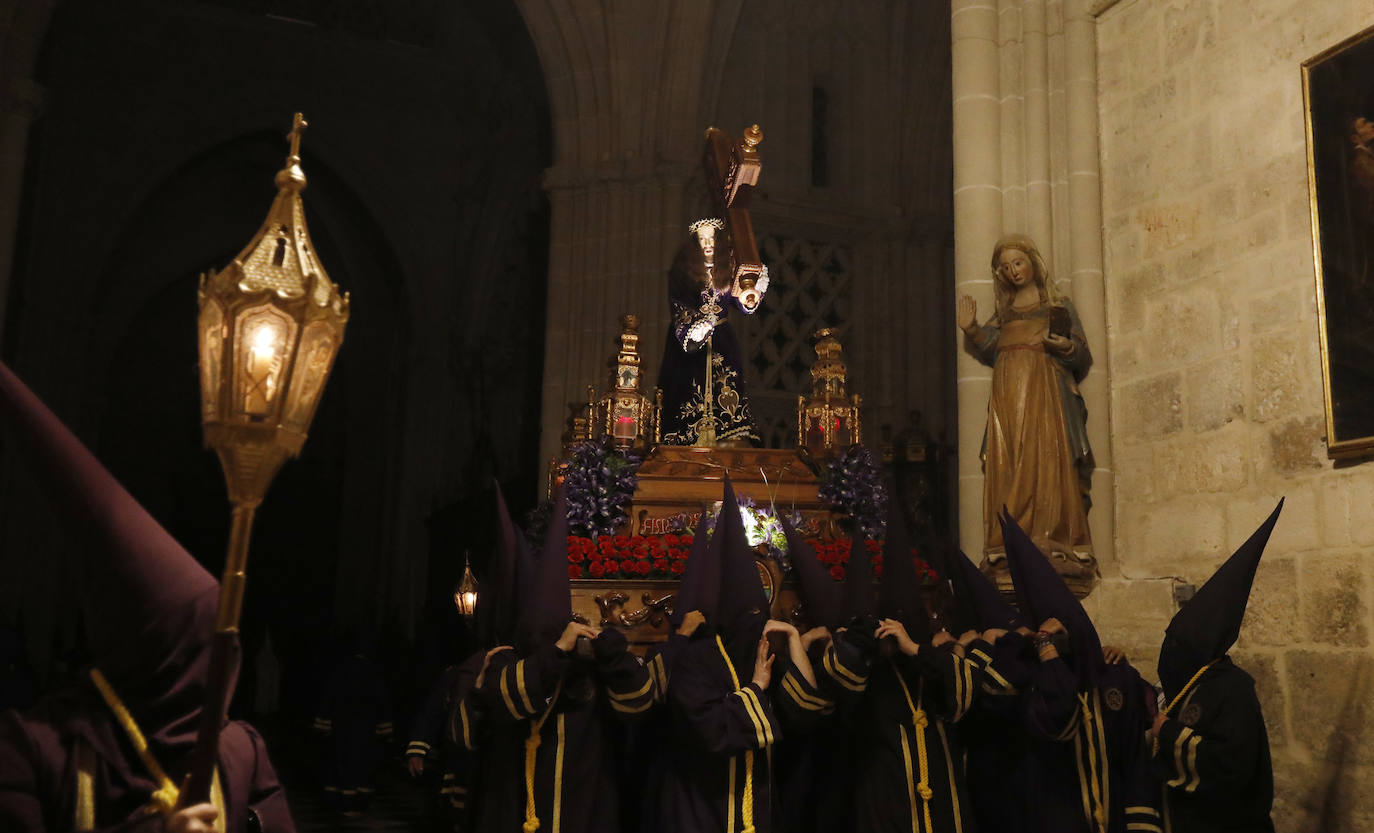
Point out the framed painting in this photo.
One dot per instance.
(1338, 94)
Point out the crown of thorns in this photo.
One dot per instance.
(709, 221)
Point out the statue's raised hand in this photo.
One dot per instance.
(967, 313)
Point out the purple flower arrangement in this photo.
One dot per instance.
(852, 486)
(600, 479)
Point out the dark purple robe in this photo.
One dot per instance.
(994, 735)
(1213, 757)
(437, 735)
(1090, 759)
(722, 728)
(575, 705)
(38, 771)
(907, 738)
(355, 718)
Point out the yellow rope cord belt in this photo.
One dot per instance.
(165, 796)
(1093, 795)
(920, 721)
(746, 805)
(531, 750)
(1154, 749)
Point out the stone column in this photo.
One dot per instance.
(614, 234)
(977, 224)
(1085, 261)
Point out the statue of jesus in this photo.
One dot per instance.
(702, 378)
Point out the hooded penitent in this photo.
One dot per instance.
(1043, 595)
(148, 607)
(699, 588)
(820, 593)
(545, 595)
(899, 593)
(1208, 625)
(743, 606)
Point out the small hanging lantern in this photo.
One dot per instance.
(829, 419)
(628, 415)
(465, 594)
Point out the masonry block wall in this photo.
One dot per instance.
(1216, 396)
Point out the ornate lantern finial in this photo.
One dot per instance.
(825, 420)
(625, 412)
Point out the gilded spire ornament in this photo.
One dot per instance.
(829, 419)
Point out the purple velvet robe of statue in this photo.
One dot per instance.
(38, 772)
(682, 376)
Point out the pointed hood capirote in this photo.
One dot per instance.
(148, 606)
(820, 593)
(700, 586)
(899, 592)
(1043, 595)
(1209, 624)
(545, 594)
(857, 601)
(499, 602)
(976, 599)
(742, 600)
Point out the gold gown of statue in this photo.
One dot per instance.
(1036, 459)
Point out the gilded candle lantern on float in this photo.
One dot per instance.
(829, 419)
(625, 412)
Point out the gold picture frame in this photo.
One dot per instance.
(1338, 99)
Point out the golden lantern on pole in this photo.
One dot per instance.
(270, 325)
(465, 594)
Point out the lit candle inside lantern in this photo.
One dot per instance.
(262, 361)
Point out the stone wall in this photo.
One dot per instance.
(1217, 406)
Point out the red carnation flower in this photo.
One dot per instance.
(574, 571)
(576, 558)
(671, 540)
(596, 570)
(678, 566)
(837, 573)
(621, 540)
(627, 567)
(661, 564)
(685, 540)
(643, 568)
(877, 571)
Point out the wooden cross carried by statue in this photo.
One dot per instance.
(732, 170)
